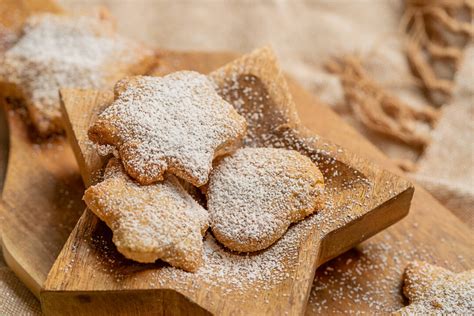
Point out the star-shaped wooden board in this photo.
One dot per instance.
(90, 276)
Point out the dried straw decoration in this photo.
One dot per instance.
(377, 109)
(437, 30)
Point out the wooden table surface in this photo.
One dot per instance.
(368, 278)
(335, 229)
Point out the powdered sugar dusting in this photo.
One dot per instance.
(104, 150)
(159, 221)
(231, 279)
(64, 51)
(237, 273)
(233, 274)
(255, 194)
(176, 123)
(370, 276)
(434, 290)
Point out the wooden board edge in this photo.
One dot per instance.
(331, 249)
(59, 302)
(18, 268)
(300, 289)
(34, 284)
(4, 144)
(126, 302)
(71, 135)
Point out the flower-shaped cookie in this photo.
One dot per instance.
(59, 51)
(433, 290)
(256, 193)
(177, 123)
(159, 221)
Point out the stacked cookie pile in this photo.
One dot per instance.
(171, 135)
(176, 132)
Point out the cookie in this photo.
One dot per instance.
(256, 193)
(60, 51)
(159, 221)
(177, 123)
(433, 290)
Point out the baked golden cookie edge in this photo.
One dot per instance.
(255, 194)
(176, 124)
(160, 221)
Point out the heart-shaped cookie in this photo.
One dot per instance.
(256, 193)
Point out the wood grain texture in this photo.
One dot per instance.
(87, 267)
(430, 232)
(42, 193)
(434, 223)
(436, 235)
(41, 200)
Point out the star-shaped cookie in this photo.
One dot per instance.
(256, 193)
(60, 51)
(159, 221)
(177, 123)
(433, 290)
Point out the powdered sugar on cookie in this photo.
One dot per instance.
(177, 123)
(255, 194)
(63, 51)
(160, 221)
(434, 290)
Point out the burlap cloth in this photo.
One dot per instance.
(305, 34)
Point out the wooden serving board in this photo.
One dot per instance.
(41, 200)
(434, 231)
(32, 248)
(33, 240)
(90, 276)
(41, 197)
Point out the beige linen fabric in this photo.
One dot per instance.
(15, 298)
(447, 166)
(305, 34)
